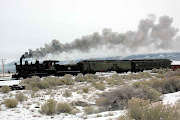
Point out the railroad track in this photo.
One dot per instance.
(12, 87)
(16, 87)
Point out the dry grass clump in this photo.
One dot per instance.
(11, 103)
(67, 93)
(20, 97)
(35, 83)
(116, 76)
(127, 77)
(64, 108)
(136, 76)
(160, 75)
(143, 110)
(173, 73)
(49, 108)
(89, 110)
(145, 75)
(135, 107)
(118, 98)
(91, 76)
(81, 103)
(112, 82)
(79, 79)
(68, 80)
(115, 80)
(85, 89)
(100, 85)
(160, 71)
(5, 89)
(168, 85)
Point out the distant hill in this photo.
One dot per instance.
(171, 56)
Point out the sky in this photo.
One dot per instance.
(29, 24)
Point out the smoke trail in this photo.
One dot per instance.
(158, 36)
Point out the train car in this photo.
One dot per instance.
(93, 66)
(175, 65)
(149, 64)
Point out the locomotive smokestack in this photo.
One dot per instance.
(22, 57)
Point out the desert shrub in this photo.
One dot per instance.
(160, 75)
(80, 79)
(64, 108)
(20, 97)
(81, 103)
(113, 81)
(32, 83)
(135, 108)
(142, 110)
(116, 76)
(171, 84)
(67, 93)
(110, 81)
(118, 98)
(145, 75)
(160, 71)
(48, 82)
(160, 112)
(91, 80)
(124, 117)
(11, 103)
(99, 86)
(5, 89)
(127, 77)
(68, 80)
(35, 83)
(91, 76)
(167, 85)
(85, 89)
(35, 89)
(89, 110)
(35, 79)
(148, 93)
(136, 76)
(173, 73)
(49, 108)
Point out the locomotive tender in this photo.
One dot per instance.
(51, 67)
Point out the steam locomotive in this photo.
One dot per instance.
(51, 67)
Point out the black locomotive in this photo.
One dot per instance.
(51, 67)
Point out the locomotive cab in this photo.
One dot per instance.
(50, 64)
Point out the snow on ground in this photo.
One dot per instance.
(7, 80)
(29, 110)
(171, 98)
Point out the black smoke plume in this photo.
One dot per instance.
(160, 35)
